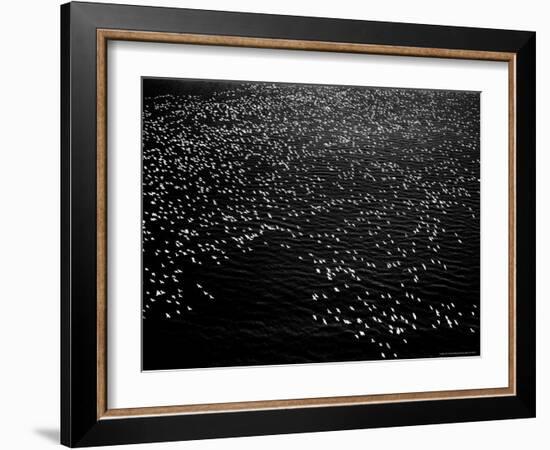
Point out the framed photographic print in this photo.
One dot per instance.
(276, 224)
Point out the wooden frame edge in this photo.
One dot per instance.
(512, 200)
(303, 403)
(104, 35)
(101, 223)
(289, 44)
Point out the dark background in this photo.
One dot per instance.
(421, 147)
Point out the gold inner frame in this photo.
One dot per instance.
(104, 35)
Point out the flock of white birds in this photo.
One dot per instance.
(375, 190)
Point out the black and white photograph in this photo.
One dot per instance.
(289, 223)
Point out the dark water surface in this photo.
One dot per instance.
(287, 223)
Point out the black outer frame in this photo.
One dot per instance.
(79, 423)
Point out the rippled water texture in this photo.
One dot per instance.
(288, 223)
